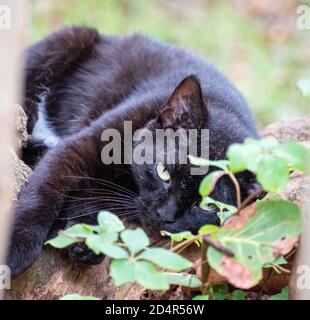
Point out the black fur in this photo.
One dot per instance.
(95, 82)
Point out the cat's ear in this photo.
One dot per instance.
(184, 108)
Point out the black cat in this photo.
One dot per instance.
(78, 83)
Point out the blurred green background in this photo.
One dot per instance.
(254, 42)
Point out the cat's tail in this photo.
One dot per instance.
(52, 59)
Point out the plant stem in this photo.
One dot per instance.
(205, 267)
(217, 245)
(186, 243)
(280, 268)
(205, 238)
(237, 187)
(250, 198)
(190, 241)
(183, 248)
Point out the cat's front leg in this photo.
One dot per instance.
(40, 201)
(79, 253)
(82, 255)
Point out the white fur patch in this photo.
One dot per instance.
(42, 131)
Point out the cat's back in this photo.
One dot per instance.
(137, 63)
(117, 68)
(140, 58)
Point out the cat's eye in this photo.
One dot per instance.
(162, 172)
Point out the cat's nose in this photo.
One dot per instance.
(168, 211)
(166, 215)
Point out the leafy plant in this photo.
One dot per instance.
(271, 232)
(255, 235)
(132, 258)
(252, 236)
(283, 295)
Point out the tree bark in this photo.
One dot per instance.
(13, 17)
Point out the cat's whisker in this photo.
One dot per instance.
(118, 187)
(118, 204)
(113, 209)
(102, 194)
(100, 202)
(101, 198)
(80, 205)
(109, 190)
(93, 189)
(133, 217)
(85, 175)
(105, 182)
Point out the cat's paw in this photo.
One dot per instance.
(25, 245)
(22, 252)
(81, 254)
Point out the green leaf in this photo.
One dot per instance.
(280, 296)
(196, 161)
(304, 86)
(225, 210)
(277, 262)
(136, 240)
(109, 222)
(165, 259)
(114, 251)
(272, 173)
(181, 236)
(207, 200)
(178, 237)
(97, 242)
(237, 160)
(147, 276)
(243, 156)
(238, 295)
(71, 236)
(295, 153)
(271, 232)
(280, 261)
(61, 242)
(201, 297)
(208, 183)
(248, 156)
(224, 215)
(221, 164)
(220, 291)
(122, 271)
(184, 280)
(76, 296)
(80, 230)
(208, 228)
(268, 143)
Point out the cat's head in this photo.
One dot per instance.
(168, 192)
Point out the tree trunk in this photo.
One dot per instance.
(13, 16)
